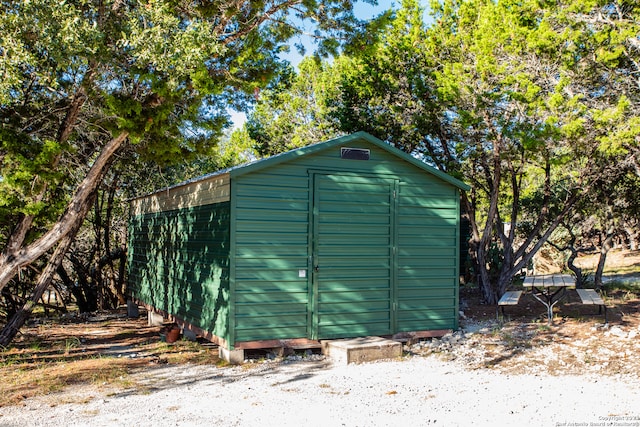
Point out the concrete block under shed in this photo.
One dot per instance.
(364, 349)
(154, 319)
(133, 312)
(235, 357)
(189, 335)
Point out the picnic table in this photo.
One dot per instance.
(549, 289)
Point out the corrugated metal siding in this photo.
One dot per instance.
(179, 262)
(272, 222)
(271, 228)
(428, 282)
(353, 242)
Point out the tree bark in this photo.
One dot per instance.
(493, 183)
(632, 237)
(13, 258)
(16, 321)
(571, 247)
(604, 250)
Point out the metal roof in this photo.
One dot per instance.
(259, 164)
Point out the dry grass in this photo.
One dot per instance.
(49, 358)
(618, 262)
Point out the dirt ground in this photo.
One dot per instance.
(578, 341)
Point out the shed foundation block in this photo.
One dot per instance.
(189, 335)
(358, 350)
(235, 357)
(132, 310)
(154, 319)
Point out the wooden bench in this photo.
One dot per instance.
(591, 297)
(509, 298)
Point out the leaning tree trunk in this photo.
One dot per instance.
(576, 270)
(571, 247)
(604, 250)
(12, 258)
(632, 236)
(16, 321)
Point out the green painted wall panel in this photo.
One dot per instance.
(358, 283)
(270, 330)
(354, 213)
(255, 310)
(427, 278)
(428, 242)
(273, 298)
(427, 320)
(356, 328)
(411, 261)
(250, 275)
(428, 214)
(352, 297)
(270, 262)
(271, 220)
(270, 286)
(179, 263)
(419, 304)
(253, 322)
(428, 315)
(430, 291)
(425, 252)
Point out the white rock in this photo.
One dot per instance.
(618, 332)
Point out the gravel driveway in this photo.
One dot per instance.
(416, 391)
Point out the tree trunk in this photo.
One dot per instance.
(19, 233)
(76, 291)
(571, 247)
(604, 250)
(489, 295)
(631, 235)
(576, 270)
(13, 258)
(16, 321)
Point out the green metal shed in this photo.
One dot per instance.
(345, 238)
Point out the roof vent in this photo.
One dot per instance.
(355, 153)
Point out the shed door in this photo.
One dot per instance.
(353, 256)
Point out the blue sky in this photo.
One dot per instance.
(362, 11)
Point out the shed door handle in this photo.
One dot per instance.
(316, 268)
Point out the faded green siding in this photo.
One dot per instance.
(179, 263)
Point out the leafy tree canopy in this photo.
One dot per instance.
(80, 79)
(527, 101)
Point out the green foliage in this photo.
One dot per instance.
(154, 79)
(75, 74)
(386, 90)
(294, 111)
(531, 102)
